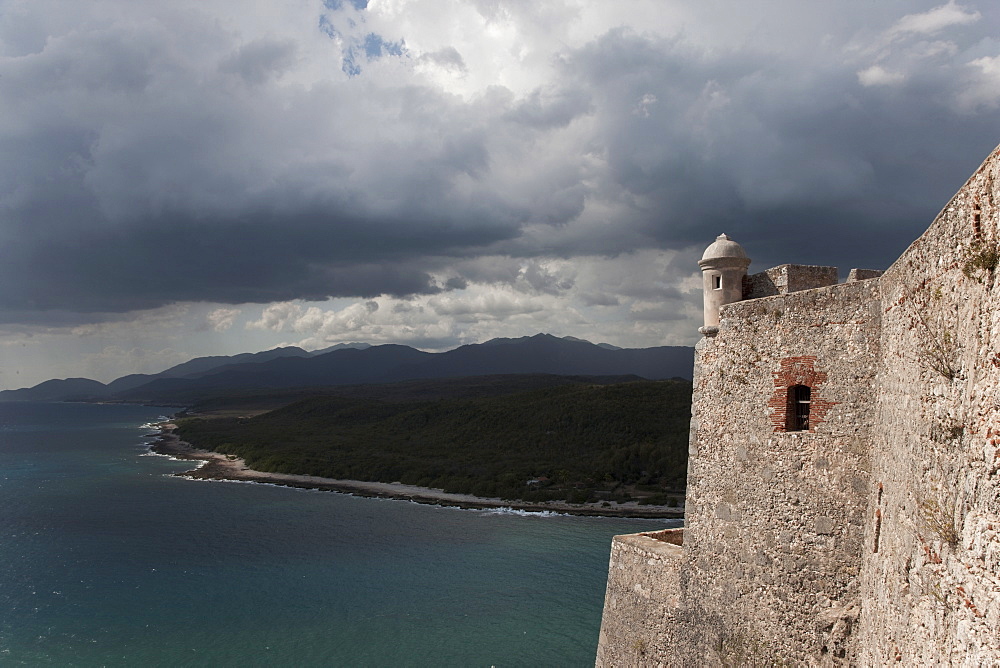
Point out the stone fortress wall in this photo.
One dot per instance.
(871, 536)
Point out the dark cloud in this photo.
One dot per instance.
(149, 162)
(801, 166)
(256, 258)
(599, 299)
(259, 60)
(550, 108)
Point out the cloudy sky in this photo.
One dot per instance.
(192, 177)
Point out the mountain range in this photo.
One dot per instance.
(359, 363)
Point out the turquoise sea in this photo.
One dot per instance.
(107, 561)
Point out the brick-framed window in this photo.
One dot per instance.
(797, 408)
(792, 372)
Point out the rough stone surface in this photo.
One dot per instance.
(872, 537)
(931, 572)
(787, 278)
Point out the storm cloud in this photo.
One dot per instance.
(175, 152)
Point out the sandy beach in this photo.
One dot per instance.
(218, 466)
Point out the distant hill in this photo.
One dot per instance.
(72, 389)
(544, 353)
(69, 389)
(341, 346)
(201, 365)
(599, 345)
(284, 368)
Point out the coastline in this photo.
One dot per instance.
(218, 466)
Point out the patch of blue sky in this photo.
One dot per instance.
(373, 47)
(326, 27)
(350, 66)
(339, 4)
(376, 47)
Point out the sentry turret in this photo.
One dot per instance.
(723, 266)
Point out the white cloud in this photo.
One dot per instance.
(934, 20)
(474, 305)
(642, 108)
(276, 317)
(907, 50)
(634, 300)
(876, 75)
(982, 88)
(222, 319)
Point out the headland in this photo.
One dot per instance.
(219, 466)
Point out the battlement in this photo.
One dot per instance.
(787, 278)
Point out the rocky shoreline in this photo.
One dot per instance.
(218, 466)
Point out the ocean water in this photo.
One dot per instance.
(105, 560)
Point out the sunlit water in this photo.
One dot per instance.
(105, 560)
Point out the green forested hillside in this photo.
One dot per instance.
(578, 442)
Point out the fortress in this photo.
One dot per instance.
(843, 498)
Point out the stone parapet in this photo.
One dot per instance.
(640, 606)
